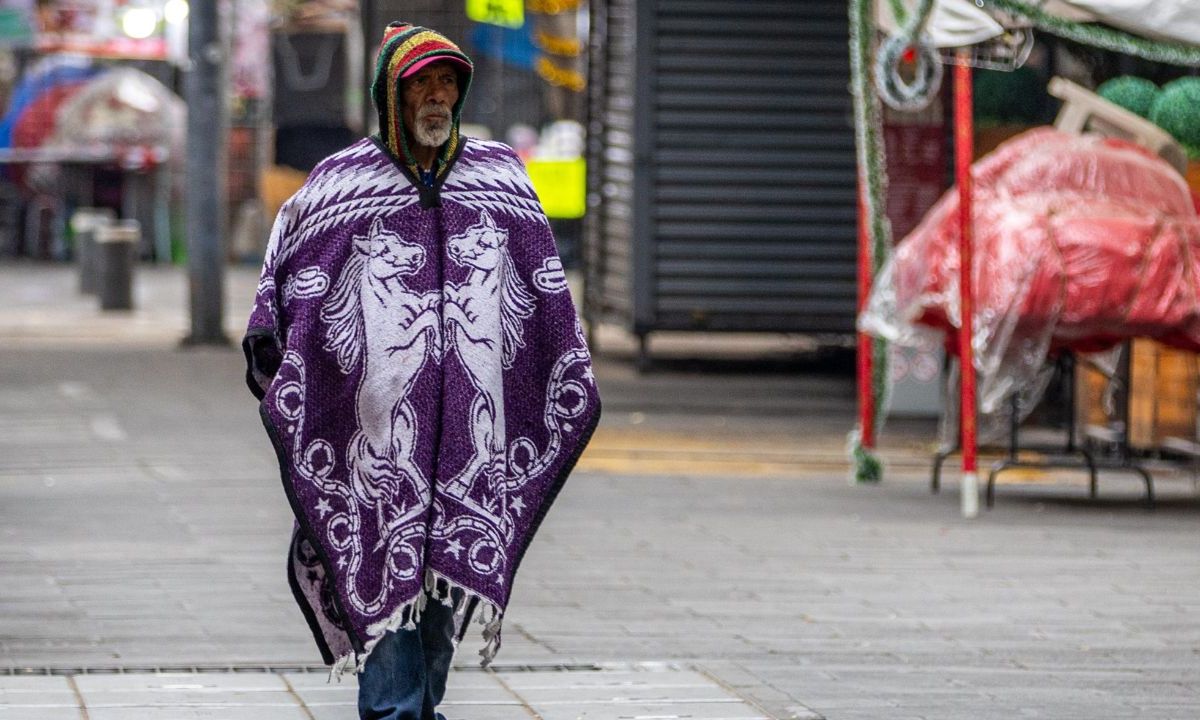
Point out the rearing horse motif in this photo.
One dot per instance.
(404, 331)
(486, 341)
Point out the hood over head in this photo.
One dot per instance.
(407, 48)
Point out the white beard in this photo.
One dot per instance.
(431, 132)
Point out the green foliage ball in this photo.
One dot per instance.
(1135, 94)
(1177, 110)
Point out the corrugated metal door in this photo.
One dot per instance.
(609, 232)
(738, 181)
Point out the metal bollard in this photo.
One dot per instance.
(84, 223)
(116, 251)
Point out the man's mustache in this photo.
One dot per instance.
(435, 111)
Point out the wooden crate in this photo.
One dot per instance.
(1162, 398)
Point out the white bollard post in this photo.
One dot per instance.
(970, 495)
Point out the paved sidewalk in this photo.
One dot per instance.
(710, 529)
(595, 694)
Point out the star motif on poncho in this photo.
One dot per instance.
(324, 508)
(454, 548)
(518, 505)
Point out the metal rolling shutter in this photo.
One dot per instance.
(609, 248)
(753, 208)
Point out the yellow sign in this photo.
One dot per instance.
(505, 13)
(560, 185)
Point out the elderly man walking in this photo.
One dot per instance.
(423, 378)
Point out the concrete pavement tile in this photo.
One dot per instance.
(533, 681)
(179, 682)
(40, 713)
(486, 712)
(472, 678)
(463, 688)
(199, 713)
(627, 693)
(348, 711)
(341, 711)
(11, 698)
(17, 684)
(632, 711)
(189, 698)
(318, 680)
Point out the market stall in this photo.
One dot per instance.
(1031, 298)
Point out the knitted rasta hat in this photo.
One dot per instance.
(405, 50)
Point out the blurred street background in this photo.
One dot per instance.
(711, 557)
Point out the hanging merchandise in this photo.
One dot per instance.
(44, 87)
(315, 15)
(513, 47)
(952, 23)
(118, 29)
(909, 53)
(127, 114)
(995, 43)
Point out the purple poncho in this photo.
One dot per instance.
(426, 385)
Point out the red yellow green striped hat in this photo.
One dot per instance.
(405, 49)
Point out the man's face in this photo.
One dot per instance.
(429, 97)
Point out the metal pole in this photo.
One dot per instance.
(964, 147)
(866, 346)
(205, 176)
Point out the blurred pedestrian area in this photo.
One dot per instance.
(708, 559)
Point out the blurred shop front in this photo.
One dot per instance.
(92, 118)
(91, 114)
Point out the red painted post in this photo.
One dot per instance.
(964, 149)
(866, 360)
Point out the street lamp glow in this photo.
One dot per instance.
(175, 11)
(139, 23)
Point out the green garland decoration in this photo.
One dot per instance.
(872, 173)
(1101, 36)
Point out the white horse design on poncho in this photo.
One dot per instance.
(486, 341)
(405, 331)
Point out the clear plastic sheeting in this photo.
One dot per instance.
(956, 23)
(1080, 243)
(1175, 20)
(127, 113)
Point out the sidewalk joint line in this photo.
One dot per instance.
(83, 711)
(507, 688)
(292, 691)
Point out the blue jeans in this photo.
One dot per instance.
(405, 675)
